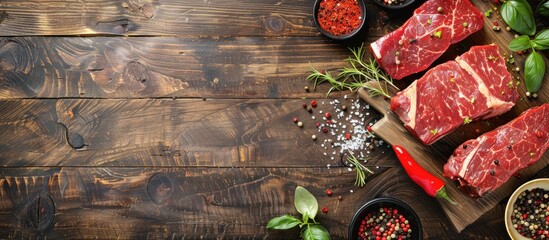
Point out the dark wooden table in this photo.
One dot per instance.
(173, 119)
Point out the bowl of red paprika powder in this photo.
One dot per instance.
(385, 217)
(340, 19)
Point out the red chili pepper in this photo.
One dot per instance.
(433, 186)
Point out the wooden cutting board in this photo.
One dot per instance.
(433, 157)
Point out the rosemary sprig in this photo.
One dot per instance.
(360, 170)
(358, 74)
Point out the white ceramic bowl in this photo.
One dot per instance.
(542, 183)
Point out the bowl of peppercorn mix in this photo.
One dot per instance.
(527, 211)
(395, 5)
(385, 218)
(340, 19)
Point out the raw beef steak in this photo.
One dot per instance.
(475, 86)
(483, 164)
(425, 36)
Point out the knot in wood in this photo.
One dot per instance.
(159, 188)
(274, 24)
(16, 55)
(136, 76)
(41, 213)
(76, 141)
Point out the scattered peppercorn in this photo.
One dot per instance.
(299, 124)
(313, 103)
(313, 137)
(344, 108)
(496, 23)
(535, 95)
(492, 172)
(306, 88)
(305, 105)
(309, 109)
(440, 10)
(496, 28)
(325, 210)
(465, 24)
(496, 162)
(294, 119)
(348, 136)
(508, 28)
(339, 198)
(329, 192)
(327, 115)
(324, 129)
(369, 128)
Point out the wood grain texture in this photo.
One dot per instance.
(219, 133)
(123, 203)
(168, 18)
(141, 67)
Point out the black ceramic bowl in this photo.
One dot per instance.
(397, 7)
(361, 28)
(374, 205)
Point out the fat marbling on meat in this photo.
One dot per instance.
(483, 164)
(425, 36)
(475, 86)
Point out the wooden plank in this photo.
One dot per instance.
(140, 67)
(145, 132)
(167, 18)
(226, 203)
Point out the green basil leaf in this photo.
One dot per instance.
(543, 9)
(318, 232)
(305, 202)
(520, 43)
(541, 41)
(534, 70)
(518, 15)
(306, 233)
(283, 222)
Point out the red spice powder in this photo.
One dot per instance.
(339, 17)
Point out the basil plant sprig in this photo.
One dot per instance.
(306, 204)
(518, 15)
(534, 66)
